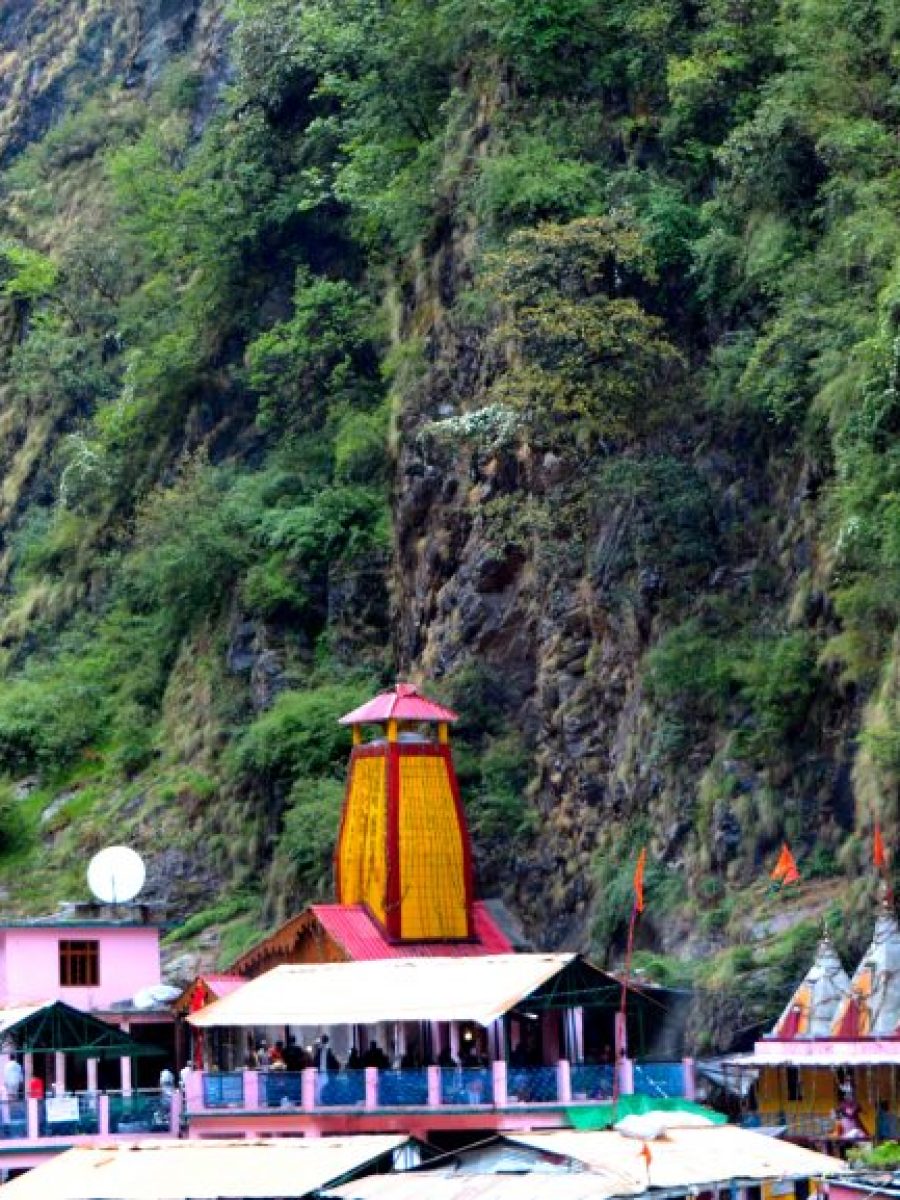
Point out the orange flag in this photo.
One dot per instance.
(879, 857)
(786, 868)
(639, 881)
(646, 1155)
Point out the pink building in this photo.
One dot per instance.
(91, 964)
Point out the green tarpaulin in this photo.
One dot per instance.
(603, 1116)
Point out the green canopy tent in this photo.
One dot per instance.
(60, 1027)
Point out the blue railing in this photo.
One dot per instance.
(402, 1089)
(140, 1112)
(223, 1089)
(532, 1085)
(665, 1080)
(69, 1115)
(280, 1089)
(13, 1119)
(343, 1089)
(466, 1086)
(592, 1081)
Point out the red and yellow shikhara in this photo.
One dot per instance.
(403, 848)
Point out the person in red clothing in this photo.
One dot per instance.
(36, 1088)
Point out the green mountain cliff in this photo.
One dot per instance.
(545, 352)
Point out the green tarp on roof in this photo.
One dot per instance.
(58, 1026)
(603, 1116)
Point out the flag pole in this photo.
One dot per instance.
(621, 1031)
(621, 1016)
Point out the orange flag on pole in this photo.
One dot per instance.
(786, 868)
(639, 881)
(879, 857)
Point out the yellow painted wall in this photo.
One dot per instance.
(819, 1092)
(432, 871)
(362, 854)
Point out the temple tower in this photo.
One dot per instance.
(812, 1008)
(403, 847)
(872, 1007)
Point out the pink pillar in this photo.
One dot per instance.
(59, 1073)
(193, 1091)
(578, 1026)
(690, 1079)
(621, 1035)
(371, 1087)
(125, 1063)
(498, 1075)
(626, 1077)
(34, 1119)
(434, 1087)
(174, 1112)
(103, 1113)
(436, 1046)
(453, 1033)
(563, 1082)
(308, 1088)
(550, 1036)
(92, 1074)
(28, 1068)
(251, 1089)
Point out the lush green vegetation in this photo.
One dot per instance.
(674, 233)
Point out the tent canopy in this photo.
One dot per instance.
(396, 989)
(176, 1170)
(413, 989)
(58, 1026)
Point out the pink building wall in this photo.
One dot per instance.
(29, 963)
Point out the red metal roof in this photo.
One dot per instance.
(402, 703)
(223, 985)
(351, 926)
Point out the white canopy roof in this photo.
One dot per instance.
(477, 989)
(686, 1157)
(198, 1169)
(610, 1164)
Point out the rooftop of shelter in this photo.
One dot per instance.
(601, 1165)
(262, 1169)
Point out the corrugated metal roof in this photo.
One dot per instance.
(354, 929)
(199, 1169)
(685, 1157)
(402, 703)
(413, 1185)
(831, 1054)
(607, 1164)
(396, 989)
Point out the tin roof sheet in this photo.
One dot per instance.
(354, 929)
(402, 703)
(199, 1169)
(395, 989)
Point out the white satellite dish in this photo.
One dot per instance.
(116, 875)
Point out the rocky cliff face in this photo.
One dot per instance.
(668, 623)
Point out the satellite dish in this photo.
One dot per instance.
(116, 874)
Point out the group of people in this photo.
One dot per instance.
(282, 1056)
(289, 1056)
(14, 1082)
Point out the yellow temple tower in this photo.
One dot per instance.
(403, 848)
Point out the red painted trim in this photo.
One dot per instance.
(468, 869)
(392, 847)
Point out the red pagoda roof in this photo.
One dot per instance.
(402, 703)
(352, 927)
